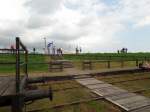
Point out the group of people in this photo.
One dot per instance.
(12, 47)
(78, 50)
(57, 51)
(123, 50)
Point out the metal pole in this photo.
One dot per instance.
(17, 65)
(26, 63)
(17, 101)
(45, 44)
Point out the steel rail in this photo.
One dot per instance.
(70, 104)
(80, 86)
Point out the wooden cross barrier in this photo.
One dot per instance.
(55, 66)
(137, 62)
(87, 64)
(108, 64)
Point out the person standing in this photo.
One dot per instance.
(53, 49)
(77, 51)
(34, 50)
(80, 50)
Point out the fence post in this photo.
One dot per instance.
(26, 63)
(108, 65)
(109, 57)
(137, 62)
(145, 58)
(17, 103)
(122, 63)
(17, 65)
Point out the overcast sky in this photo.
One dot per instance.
(95, 25)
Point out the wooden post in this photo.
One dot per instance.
(148, 60)
(87, 64)
(137, 62)
(90, 65)
(145, 58)
(61, 66)
(55, 65)
(26, 63)
(17, 65)
(83, 65)
(109, 57)
(50, 67)
(17, 103)
(122, 63)
(108, 64)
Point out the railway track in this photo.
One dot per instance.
(68, 80)
(80, 101)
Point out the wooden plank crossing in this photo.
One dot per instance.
(7, 86)
(130, 102)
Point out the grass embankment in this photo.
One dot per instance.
(104, 65)
(33, 61)
(107, 56)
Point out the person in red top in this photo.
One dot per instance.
(12, 48)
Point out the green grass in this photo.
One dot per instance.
(32, 63)
(107, 56)
(93, 106)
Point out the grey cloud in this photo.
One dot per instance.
(43, 6)
(37, 21)
(66, 33)
(8, 34)
(6, 42)
(12, 28)
(39, 45)
(63, 36)
(86, 21)
(39, 12)
(11, 32)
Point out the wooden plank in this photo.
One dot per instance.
(121, 96)
(4, 84)
(130, 100)
(11, 89)
(98, 86)
(138, 104)
(143, 109)
(85, 79)
(108, 91)
(88, 81)
(82, 76)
